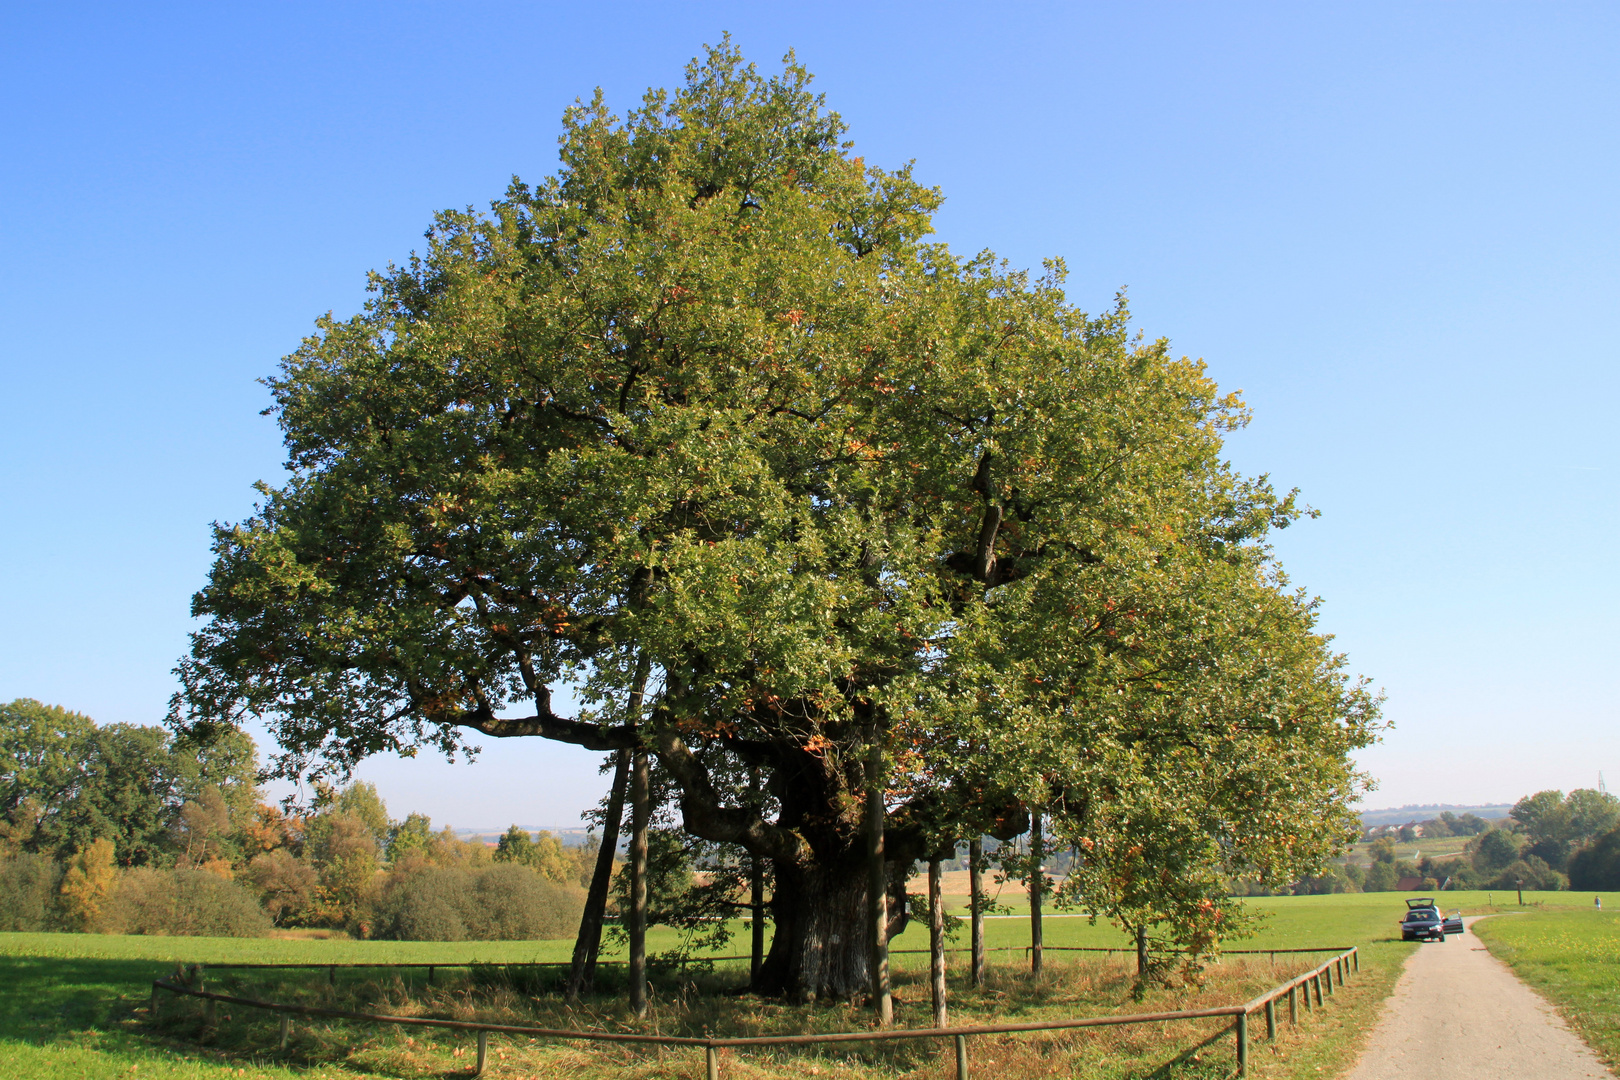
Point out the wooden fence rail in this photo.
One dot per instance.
(1321, 979)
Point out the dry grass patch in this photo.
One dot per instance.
(703, 1004)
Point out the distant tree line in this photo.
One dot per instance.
(1549, 841)
(121, 828)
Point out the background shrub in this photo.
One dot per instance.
(184, 903)
(504, 902)
(1597, 867)
(29, 889)
(515, 903)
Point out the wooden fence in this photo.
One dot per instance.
(1319, 981)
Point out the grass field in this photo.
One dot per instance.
(1572, 956)
(72, 1006)
(1438, 848)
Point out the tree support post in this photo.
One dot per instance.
(877, 882)
(582, 971)
(640, 811)
(936, 942)
(976, 912)
(1037, 879)
(756, 901)
(588, 943)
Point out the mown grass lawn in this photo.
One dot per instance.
(73, 1006)
(1571, 955)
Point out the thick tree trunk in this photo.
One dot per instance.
(821, 948)
(1037, 881)
(582, 973)
(976, 906)
(936, 943)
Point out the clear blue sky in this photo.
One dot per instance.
(1393, 226)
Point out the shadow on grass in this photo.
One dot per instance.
(46, 1000)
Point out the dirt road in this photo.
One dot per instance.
(1458, 1013)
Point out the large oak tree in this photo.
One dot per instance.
(709, 404)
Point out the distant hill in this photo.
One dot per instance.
(572, 836)
(1400, 815)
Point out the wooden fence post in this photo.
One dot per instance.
(286, 1032)
(1243, 1044)
(1293, 1004)
(961, 1058)
(711, 1062)
(1271, 1019)
(483, 1052)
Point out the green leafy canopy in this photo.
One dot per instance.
(710, 397)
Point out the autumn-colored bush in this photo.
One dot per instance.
(285, 883)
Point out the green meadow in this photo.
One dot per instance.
(74, 1004)
(1572, 956)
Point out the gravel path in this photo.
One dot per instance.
(1458, 1013)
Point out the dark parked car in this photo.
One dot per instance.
(1424, 922)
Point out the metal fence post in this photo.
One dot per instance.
(711, 1062)
(1243, 1044)
(483, 1052)
(961, 1058)
(1271, 1019)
